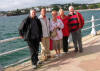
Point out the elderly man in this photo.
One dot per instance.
(76, 22)
(31, 31)
(46, 34)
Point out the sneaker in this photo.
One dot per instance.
(60, 55)
(56, 55)
(81, 50)
(34, 66)
(66, 52)
(39, 62)
(76, 50)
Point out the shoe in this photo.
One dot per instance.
(34, 66)
(76, 50)
(48, 57)
(81, 50)
(56, 56)
(44, 58)
(66, 52)
(60, 55)
(39, 62)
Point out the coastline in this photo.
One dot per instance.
(88, 9)
(50, 11)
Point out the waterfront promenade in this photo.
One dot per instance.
(89, 60)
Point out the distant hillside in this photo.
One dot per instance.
(51, 7)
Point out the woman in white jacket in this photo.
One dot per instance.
(58, 25)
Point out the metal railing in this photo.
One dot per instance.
(93, 32)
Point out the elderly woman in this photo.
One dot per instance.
(65, 30)
(56, 24)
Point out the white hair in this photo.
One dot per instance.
(70, 7)
(31, 10)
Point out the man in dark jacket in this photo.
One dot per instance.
(76, 23)
(31, 31)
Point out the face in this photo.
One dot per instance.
(71, 10)
(43, 12)
(54, 14)
(61, 12)
(33, 13)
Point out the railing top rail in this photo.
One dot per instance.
(9, 39)
(12, 51)
(91, 21)
(18, 62)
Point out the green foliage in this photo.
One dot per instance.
(84, 6)
(55, 8)
(76, 8)
(27, 10)
(18, 11)
(92, 6)
(98, 5)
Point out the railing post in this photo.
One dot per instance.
(93, 32)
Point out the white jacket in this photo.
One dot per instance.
(59, 24)
(45, 26)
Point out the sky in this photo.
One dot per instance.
(6, 5)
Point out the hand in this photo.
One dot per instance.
(21, 37)
(41, 39)
(57, 27)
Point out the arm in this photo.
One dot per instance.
(60, 24)
(52, 26)
(40, 28)
(21, 28)
(69, 23)
(80, 20)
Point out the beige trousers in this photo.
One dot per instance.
(45, 44)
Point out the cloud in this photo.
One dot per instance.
(15, 4)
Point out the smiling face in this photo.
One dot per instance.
(54, 14)
(71, 9)
(61, 12)
(43, 12)
(33, 13)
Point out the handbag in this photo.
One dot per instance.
(54, 33)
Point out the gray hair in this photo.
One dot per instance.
(71, 7)
(32, 10)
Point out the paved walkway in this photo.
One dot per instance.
(89, 60)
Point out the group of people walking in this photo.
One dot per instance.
(54, 31)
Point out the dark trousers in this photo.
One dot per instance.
(34, 49)
(77, 39)
(65, 44)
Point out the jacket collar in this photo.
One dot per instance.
(71, 14)
(40, 16)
